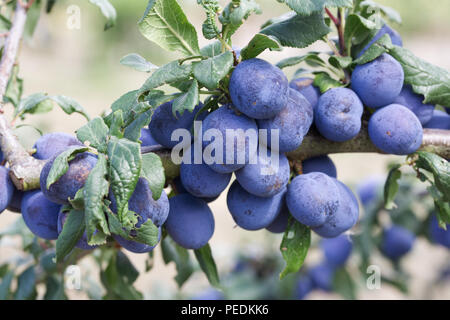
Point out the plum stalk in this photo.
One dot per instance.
(25, 170)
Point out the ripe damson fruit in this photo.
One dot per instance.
(440, 120)
(147, 138)
(337, 250)
(251, 212)
(369, 190)
(179, 188)
(338, 114)
(16, 201)
(190, 223)
(143, 204)
(303, 287)
(6, 188)
(238, 149)
(200, 180)
(52, 144)
(395, 129)
(312, 198)
(1, 156)
(258, 89)
(378, 82)
(413, 101)
(266, 177)
(306, 87)
(40, 215)
(68, 185)
(344, 218)
(397, 241)
(164, 122)
(322, 276)
(322, 164)
(439, 235)
(395, 38)
(82, 243)
(280, 223)
(292, 123)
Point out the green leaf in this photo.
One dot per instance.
(442, 206)
(234, 14)
(294, 246)
(210, 71)
(71, 233)
(153, 171)
(357, 29)
(429, 80)
(210, 28)
(343, 284)
(391, 186)
(54, 288)
(50, 5)
(132, 109)
(258, 44)
(5, 23)
(95, 133)
(61, 164)
(169, 73)
(124, 158)
(207, 264)
(33, 15)
(340, 62)
(308, 7)
(95, 190)
(324, 82)
(147, 233)
(5, 285)
(279, 19)
(312, 59)
(373, 7)
(137, 62)
(126, 268)
(32, 104)
(165, 23)
(439, 167)
(375, 50)
(298, 31)
(69, 106)
(14, 89)
(133, 130)
(116, 124)
(116, 283)
(108, 12)
(186, 101)
(172, 252)
(212, 49)
(26, 282)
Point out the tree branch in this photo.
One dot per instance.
(24, 169)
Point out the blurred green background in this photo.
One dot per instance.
(84, 64)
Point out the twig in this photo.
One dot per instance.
(338, 22)
(24, 169)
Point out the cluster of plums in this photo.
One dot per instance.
(264, 195)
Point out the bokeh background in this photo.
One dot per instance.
(84, 64)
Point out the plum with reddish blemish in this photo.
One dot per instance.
(395, 129)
